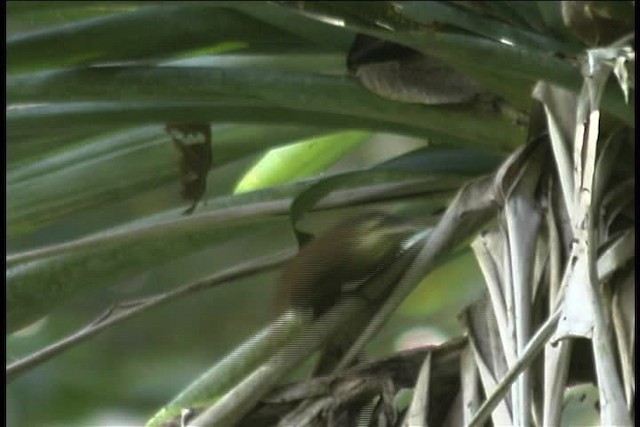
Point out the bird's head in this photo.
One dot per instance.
(380, 233)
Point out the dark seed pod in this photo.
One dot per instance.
(193, 142)
(397, 72)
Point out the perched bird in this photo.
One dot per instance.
(339, 260)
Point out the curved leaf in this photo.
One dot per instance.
(83, 177)
(440, 12)
(37, 287)
(299, 160)
(105, 116)
(242, 88)
(146, 33)
(475, 56)
(40, 280)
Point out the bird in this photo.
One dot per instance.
(335, 263)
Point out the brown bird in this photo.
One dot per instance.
(340, 259)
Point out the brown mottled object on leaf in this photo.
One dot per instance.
(193, 141)
(400, 73)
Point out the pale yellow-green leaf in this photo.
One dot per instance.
(300, 160)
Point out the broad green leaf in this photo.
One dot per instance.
(144, 158)
(299, 160)
(551, 13)
(26, 145)
(90, 149)
(434, 294)
(506, 12)
(319, 33)
(36, 288)
(24, 16)
(243, 89)
(309, 198)
(463, 161)
(38, 281)
(330, 63)
(527, 11)
(150, 32)
(428, 162)
(468, 53)
(440, 12)
(63, 118)
(370, 186)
